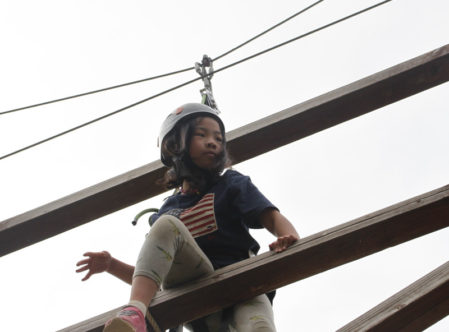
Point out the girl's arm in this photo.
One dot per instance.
(279, 226)
(98, 262)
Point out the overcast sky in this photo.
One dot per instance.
(52, 49)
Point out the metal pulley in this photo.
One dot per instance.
(206, 70)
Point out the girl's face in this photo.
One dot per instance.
(206, 143)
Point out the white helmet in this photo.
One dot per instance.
(185, 112)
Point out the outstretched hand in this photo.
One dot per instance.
(283, 242)
(96, 262)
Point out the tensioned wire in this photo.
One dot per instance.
(96, 91)
(196, 79)
(163, 75)
(268, 30)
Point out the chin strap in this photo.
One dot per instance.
(206, 70)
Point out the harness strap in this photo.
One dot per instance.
(151, 323)
(226, 319)
(199, 325)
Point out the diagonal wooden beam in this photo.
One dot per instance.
(314, 254)
(312, 116)
(415, 308)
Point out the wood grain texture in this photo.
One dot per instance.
(307, 118)
(314, 254)
(414, 308)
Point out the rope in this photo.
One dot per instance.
(301, 36)
(95, 91)
(153, 322)
(98, 119)
(158, 76)
(196, 79)
(268, 30)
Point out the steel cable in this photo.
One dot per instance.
(268, 30)
(159, 76)
(198, 78)
(302, 36)
(96, 91)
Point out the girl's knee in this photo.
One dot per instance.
(254, 315)
(167, 224)
(256, 323)
(261, 323)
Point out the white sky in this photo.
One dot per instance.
(53, 49)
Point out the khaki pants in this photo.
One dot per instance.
(170, 256)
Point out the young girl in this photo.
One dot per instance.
(202, 227)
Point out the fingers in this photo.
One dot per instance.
(283, 242)
(96, 262)
(92, 254)
(277, 246)
(84, 268)
(86, 265)
(87, 260)
(84, 261)
(87, 276)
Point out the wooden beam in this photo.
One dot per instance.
(274, 131)
(314, 254)
(79, 208)
(415, 308)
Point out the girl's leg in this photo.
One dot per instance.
(169, 256)
(143, 290)
(254, 315)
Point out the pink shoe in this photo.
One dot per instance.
(129, 319)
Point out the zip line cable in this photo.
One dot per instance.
(99, 118)
(196, 79)
(96, 91)
(302, 36)
(159, 76)
(268, 30)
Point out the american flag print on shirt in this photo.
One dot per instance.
(200, 219)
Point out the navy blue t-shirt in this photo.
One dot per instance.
(219, 220)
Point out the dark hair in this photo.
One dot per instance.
(176, 145)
